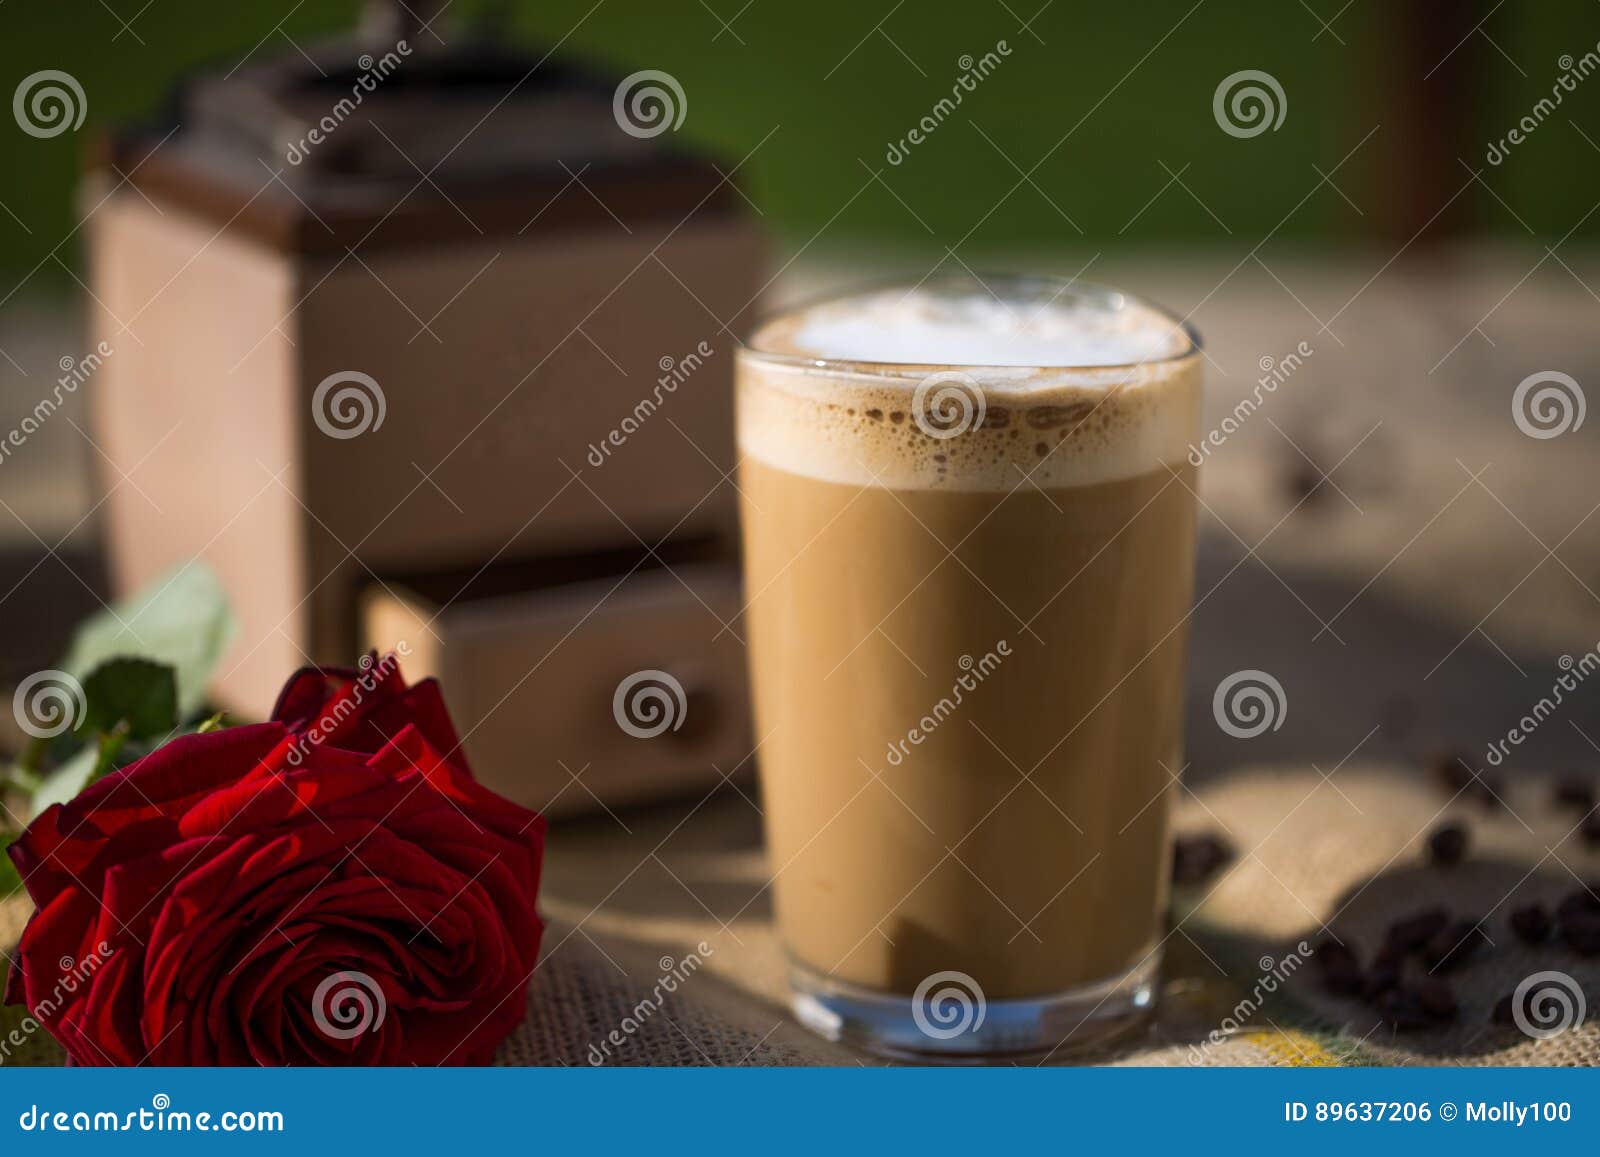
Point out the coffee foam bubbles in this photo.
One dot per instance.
(978, 330)
(934, 390)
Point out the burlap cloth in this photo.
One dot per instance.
(1344, 854)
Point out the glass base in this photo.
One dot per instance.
(950, 1021)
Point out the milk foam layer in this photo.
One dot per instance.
(916, 389)
(979, 330)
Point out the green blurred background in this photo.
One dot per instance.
(1107, 100)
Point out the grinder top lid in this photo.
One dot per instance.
(390, 136)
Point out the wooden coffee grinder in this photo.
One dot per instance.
(431, 348)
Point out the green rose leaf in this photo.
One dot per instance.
(10, 878)
(139, 693)
(182, 620)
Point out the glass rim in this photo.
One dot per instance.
(989, 281)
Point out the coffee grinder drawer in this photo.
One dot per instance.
(601, 693)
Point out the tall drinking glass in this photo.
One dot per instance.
(968, 518)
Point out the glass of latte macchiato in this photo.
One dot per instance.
(968, 518)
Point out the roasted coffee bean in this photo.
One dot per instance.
(1584, 899)
(1490, 793)
(1452, 945)
(1436, 997)
(1402, 1010)
(1303, 482)
(1531, 923)
(1413, 932)
(1451, 770)
(1505, 1010)
(1575, 792)
(1380, 979)
(1581, 931)
(1341, 971)
(1331, 953)
(1344, 980)
(1388, 954)
(1447, 845)
(1195, 859)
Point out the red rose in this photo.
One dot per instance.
(331, 887)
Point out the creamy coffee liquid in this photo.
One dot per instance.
(968, 580)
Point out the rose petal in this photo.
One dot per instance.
(231, 874)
